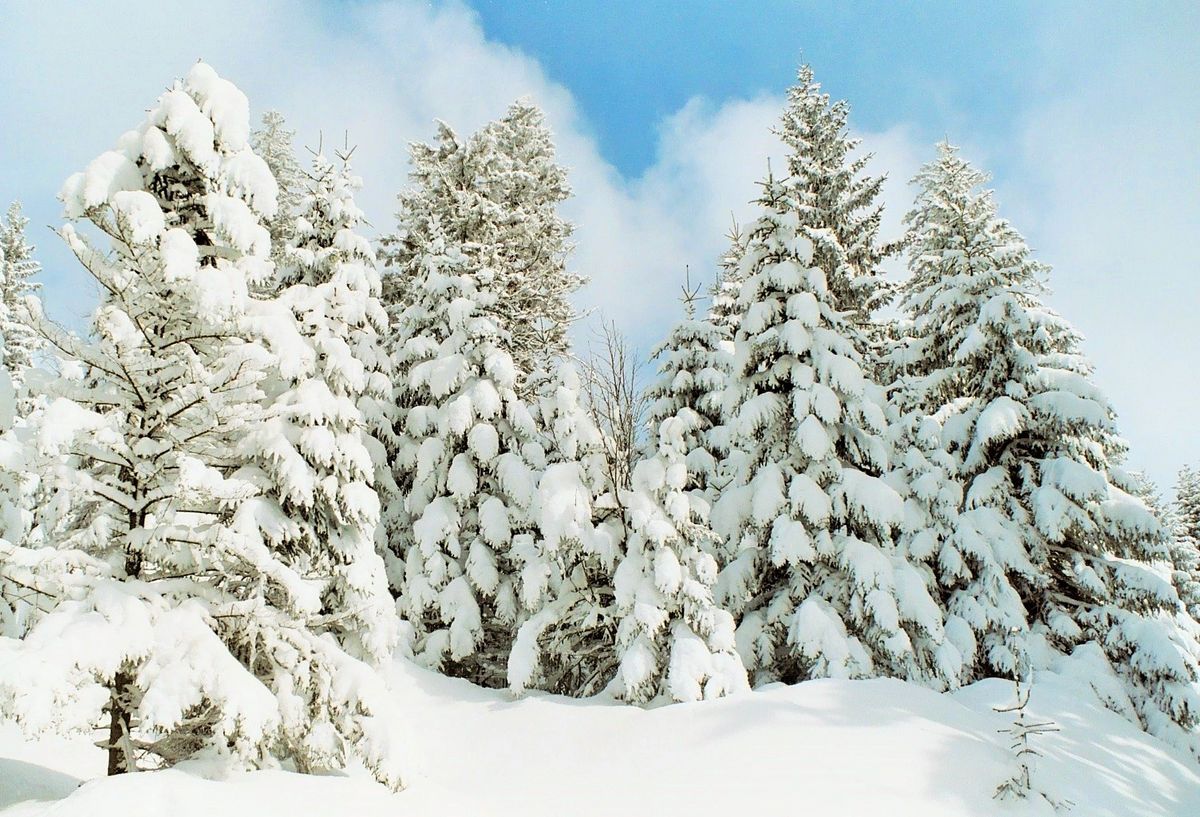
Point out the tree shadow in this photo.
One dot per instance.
(21, 782)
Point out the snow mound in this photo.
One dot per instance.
(834, 747)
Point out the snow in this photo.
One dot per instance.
(192, 131)
(222, 102)
(110, 173)
(238, 224)
(139, 214)
(837, 747)
(1003, 418)
(871, 498)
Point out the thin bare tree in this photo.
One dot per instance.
(615, 398)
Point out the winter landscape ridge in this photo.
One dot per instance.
(318, 516)
(840, 747)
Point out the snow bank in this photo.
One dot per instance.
(825, 747)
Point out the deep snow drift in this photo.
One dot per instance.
(823, 747)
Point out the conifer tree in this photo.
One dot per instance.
(528, 182)
(17, 267)
(494, 196)
(1186, 511)
(811, 569)
(273, 142)
(723, 310)
(693, 375)
(467, 468)
(1036, 442)
(206, 633)
(672, 639)
(13, 592)
(314, 456)
(837, 205)
(328, 255)
(567, 634)
(43, 506)
(1183, 531)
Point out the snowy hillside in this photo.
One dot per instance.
(826, 747)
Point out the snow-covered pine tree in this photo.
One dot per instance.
(207, 639)
(1036, 441)
(45, 504)
(694, 365)
(979, 549)
(1183, 530)
(315, 459)
(273, 142)
(812, 571)
(837, 205)
(566, 638)
(17, 267)
(16, 595)
(724, 316)
(1186, 510)
(672, 639)
(478, 289)
(467, 466)
(534, 241)
(495, 197)
(722, 311)
(328, 255)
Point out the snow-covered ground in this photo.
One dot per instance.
(823, 747)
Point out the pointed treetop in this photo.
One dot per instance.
(690, 294)
(838, 204)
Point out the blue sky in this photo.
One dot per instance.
(1086, 114)
(632, 64)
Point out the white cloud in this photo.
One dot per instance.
(635, 238)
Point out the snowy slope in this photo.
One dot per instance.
(824, 747)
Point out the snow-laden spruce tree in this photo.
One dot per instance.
(1186, 509)
(566, 638)
(495, 197)
(836, 204)
(672, 639)
(615, 584)
(16, 596)
(328, 255)
(467, 467)
(41, 503)
(1036, 442)
(965, 555)
(811, 569)
(172, 611)
(722, 311)
(273, 142)
(17, 267)
(1183, 530)
(313, 456)
(694, 365)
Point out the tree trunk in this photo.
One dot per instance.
(119, 758)
(120, 739)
